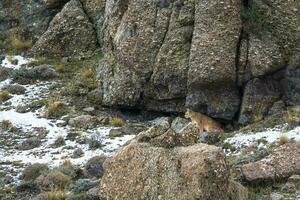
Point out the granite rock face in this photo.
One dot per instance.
(170, 54)
(69, 33)
(24, 20)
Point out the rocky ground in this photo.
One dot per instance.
(49, 120)
(30, 134)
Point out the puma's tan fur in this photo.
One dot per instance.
(204, 122)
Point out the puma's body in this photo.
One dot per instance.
(204, 122)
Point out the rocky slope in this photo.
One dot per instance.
(167, 55)
(236, 61)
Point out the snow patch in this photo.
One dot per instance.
(21, 61)
(270, 136)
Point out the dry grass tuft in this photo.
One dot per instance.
(283, 139)
(55, 109)
(4, 96)
(68, 164)
(117, 121)
(53, 195)
(19, 44)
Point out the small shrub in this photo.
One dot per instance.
(53, 195)
(117, 121)
(55, 109)
(19, 44)
(72, 135)
(68, 164)
(77, 153)
(95, 141)
(26, 186)
(60, 68)
(55, 180)
(6, 125)
(23, 76)
(82, 185)
(30, 143)
(87, 78)
(94, 166)
(12, 60)
(66, 171)
(16, 89)
(4, 96)
(36, 104)
(283, 139)
(33, 171)
(60, 141)
(71, 89)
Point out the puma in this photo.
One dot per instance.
(204, 122)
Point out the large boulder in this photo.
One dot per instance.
(143, 171)
(69, 33)
(282, 163)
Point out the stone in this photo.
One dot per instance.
(83, 121)
(161, 121)
(115, 133)
(280, 164)
(209, 138)
(67, 35)
(189, 135)
(179, 123)
(288, 188)
(258, 172)
(8, 180)
(94, 166)
(143, 171)
(95, 96)
(89, 110)
(93, 193)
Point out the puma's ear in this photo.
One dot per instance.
(188, 110)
